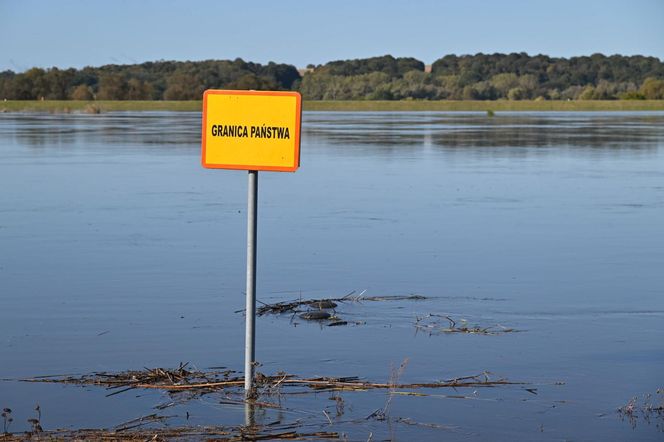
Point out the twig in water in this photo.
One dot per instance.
(431, 325)
(7, 419)
(408, 421)
(395, 374)
(327, 303)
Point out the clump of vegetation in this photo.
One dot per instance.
(35, 422)
(92, 109)
(649, 408)
(7, 420)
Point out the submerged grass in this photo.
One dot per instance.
(489, 107)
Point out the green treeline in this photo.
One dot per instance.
(467, 77)
(489, 77)
(161, 80)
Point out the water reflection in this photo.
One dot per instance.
(69, 130)
(633, 131)
(610, 131)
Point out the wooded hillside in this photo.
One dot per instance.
(466, 77)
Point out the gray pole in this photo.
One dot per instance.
(250, 336)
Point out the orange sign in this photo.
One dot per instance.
(251, 130)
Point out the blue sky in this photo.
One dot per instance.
(76, 33)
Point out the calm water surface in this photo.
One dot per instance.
(118, 251)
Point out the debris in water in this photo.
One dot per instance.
(297, 306)
(183, 380)
(649, 410)
(432, 325)
(315, 315)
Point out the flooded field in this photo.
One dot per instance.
(118, 251)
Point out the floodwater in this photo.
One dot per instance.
(118, 251)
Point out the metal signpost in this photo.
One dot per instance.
(250, 331)
(251, 130)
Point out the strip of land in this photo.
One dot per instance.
(101, 106)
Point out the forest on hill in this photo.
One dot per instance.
(516, 76)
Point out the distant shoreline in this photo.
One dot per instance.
(93, 107)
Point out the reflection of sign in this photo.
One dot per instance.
(251, 130)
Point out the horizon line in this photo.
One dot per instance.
(162, 60)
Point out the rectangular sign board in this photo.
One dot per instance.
(251, 130)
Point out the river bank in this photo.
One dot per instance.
(66, 106)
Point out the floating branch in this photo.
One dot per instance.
(432, 324)
(300, 305)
